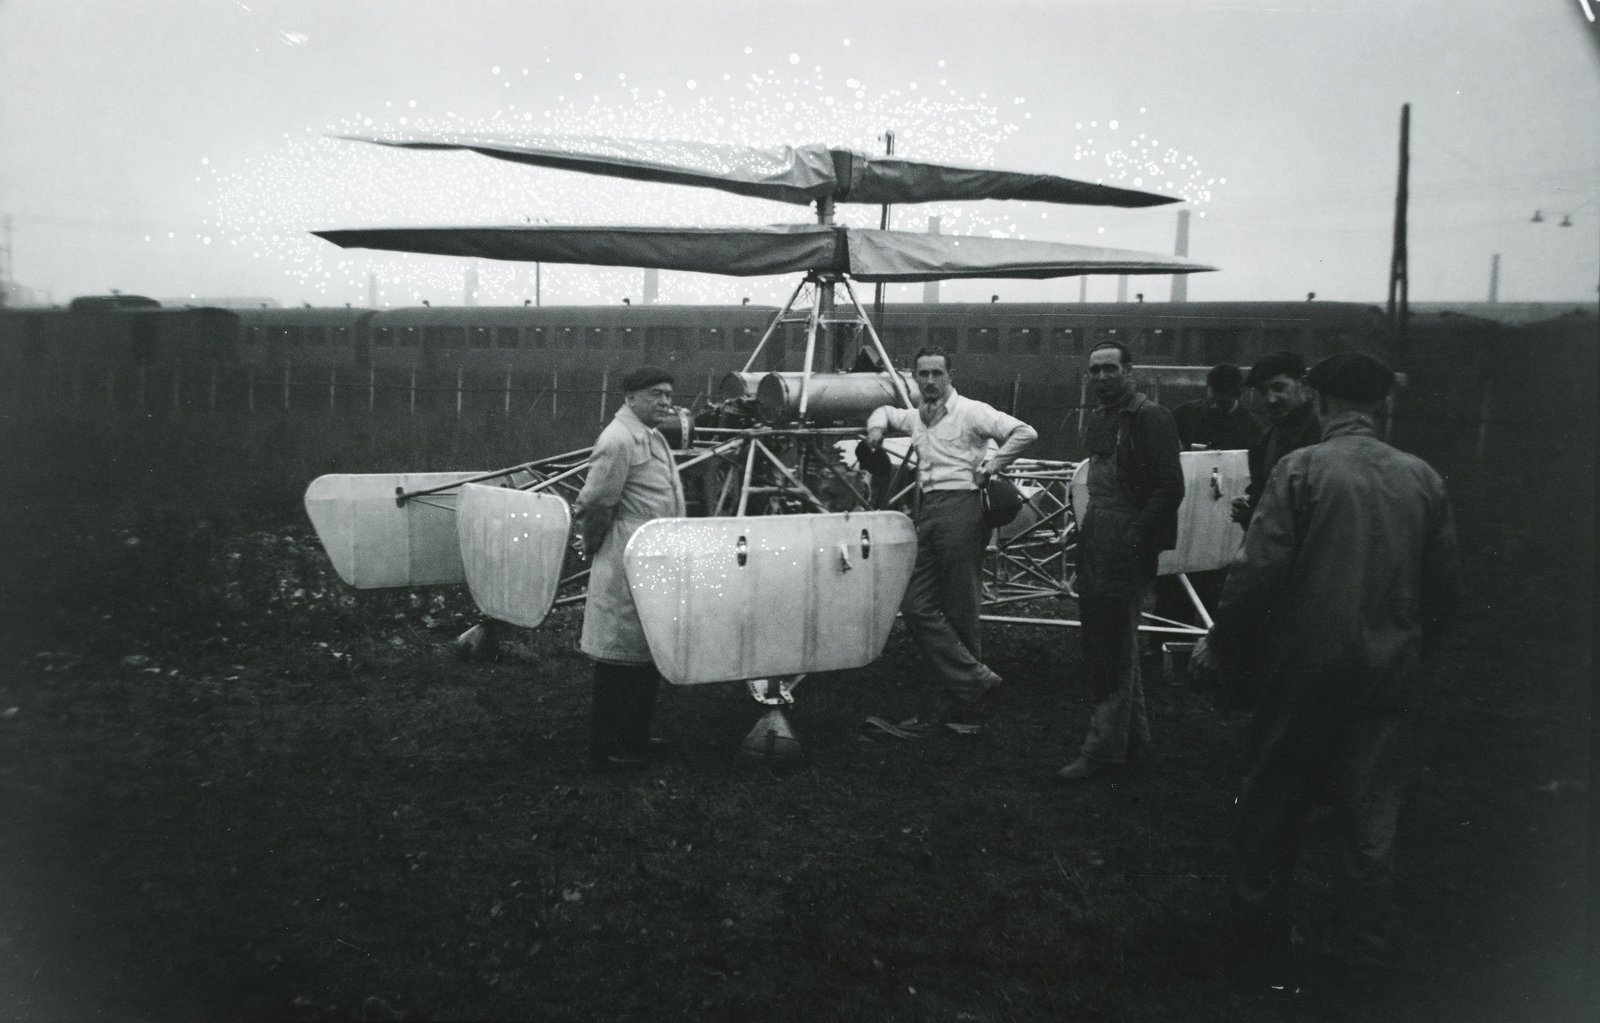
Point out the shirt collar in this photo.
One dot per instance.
(635, 426)
(1349, 424)
(948, 402)
(1129, 402)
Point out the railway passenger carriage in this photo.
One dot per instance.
(558, 361)
(988, 338)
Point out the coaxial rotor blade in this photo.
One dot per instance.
(798, 174)
(907, 256)
(755, 251)
(733, 251)
(793, 175)
(879, 179)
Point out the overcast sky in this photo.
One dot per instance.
(177, 147)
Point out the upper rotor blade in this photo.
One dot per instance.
(887, 179)
(754, 251)
(798, 175)
(733, 251)
(906, 256)
(792, 175)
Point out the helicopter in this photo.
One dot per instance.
(801, 556)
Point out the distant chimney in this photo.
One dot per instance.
(652, 286)
(372, 290)
(1180, 282)
(930, 290)
(469, 286)
(1494, 277)
(1122, 287)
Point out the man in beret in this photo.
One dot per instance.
(1347, 580)
(632, 479)
(1135, 488)
(1218, 421)
(1278, 379)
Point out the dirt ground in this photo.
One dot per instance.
(231, 788)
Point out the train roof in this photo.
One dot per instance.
(655, 314)
(111, 303)
(1316, 312)
(302, 315)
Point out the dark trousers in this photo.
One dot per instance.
(1357, 760)
(946, 590)
(624, 702)
(1110, 638)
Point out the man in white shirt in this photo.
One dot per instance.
(954, 438)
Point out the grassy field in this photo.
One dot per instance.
(231, 788)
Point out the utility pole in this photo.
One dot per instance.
(1494, 277)
(1398, 284)
(930, 290)
(883, 225)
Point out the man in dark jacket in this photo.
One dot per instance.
(1135, 487)
(1347, 578)
(1279, 382)
(1218, 421)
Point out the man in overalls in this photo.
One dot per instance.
(1135, 487)
(632, 479)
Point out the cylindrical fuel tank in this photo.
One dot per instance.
(738, 385)
(678, 428)
(842, 398)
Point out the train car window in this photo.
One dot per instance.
(408, 337)
(1066, 341)
(1280, 339)
(670, 339)
(431, 336)
(478, 337)
(983, 340)
(1117, 334)
(455, 337)
(713, 339)
(1331, 341)
(537, 338)
(628, 337)
(594, 338)
(566, 337)
(901, 340)
(1222, 344)
(255, 336)
(745, 338)
(289, 336)
(316, 337)
(942, 337)
(506, 337)
(1022, 341)
(1158, 341)
(341, 336)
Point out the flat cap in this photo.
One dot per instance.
(1352, 376)
(645, 376)
(1273, 364)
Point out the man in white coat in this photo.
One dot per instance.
(632, 479)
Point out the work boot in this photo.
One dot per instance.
(1082, 769)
